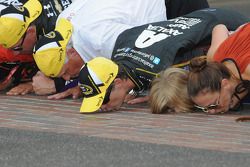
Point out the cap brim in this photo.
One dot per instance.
(65, 28)
(35, 8)
(92, 104)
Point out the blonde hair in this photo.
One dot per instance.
(169, 92)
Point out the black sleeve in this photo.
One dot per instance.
(176, 8)
(59, 84)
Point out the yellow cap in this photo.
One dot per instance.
(14, 21)
(50, 50)
(94, 79)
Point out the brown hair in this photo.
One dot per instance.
(205, 76)
(169, 91)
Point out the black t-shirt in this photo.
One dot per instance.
(51, 9)
(47, 20)
(146, 50)
(176, 8)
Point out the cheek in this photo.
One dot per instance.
(225, 99)
(74, 66)
(29, 42)
(116, 99)
(73, 71)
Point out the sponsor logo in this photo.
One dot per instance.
(127, 50)
(19, 8)
(156, 60)
(35, 14)
(86, 89)
(49, 10)
(60, 54)
(50, 35)
(111, 75)
(65, 3)
(11, 2)
(69, 32)
(100, 100)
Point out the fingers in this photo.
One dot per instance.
(75, 95)
(217, 111)
(61, 95)
(139, 100)
(75, 92)
(129, 98)
(21, 89)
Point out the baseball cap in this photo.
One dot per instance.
(94, 79)
(50, 50)
(14, 21)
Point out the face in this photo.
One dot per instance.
(26, 44)
(215, 102)
(207, 101)
(73, 66)
(116, 98)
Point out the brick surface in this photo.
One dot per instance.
(132, 122)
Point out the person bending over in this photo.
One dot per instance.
(142, 52)
(228, 82)
(168, 92)
(22, 23)
(229, 48)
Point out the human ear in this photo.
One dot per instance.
(117, 81)
(224, 82)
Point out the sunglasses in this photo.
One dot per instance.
(20, 47)
(207, 108)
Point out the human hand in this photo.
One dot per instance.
(130, 96)
(21, 89)
(132, 99)
(75, 92)
(43, 85)
(138, 100)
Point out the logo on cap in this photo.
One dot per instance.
(111, 75)
(100, 100)
(50, 35)
(86, 90)
(19, 8)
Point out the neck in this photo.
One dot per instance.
(234, 82)
(238, 94)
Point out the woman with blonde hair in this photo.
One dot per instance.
(168, 92)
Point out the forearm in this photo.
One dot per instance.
(219, 35)
(61, 85)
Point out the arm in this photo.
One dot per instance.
(74, 92)
(219, 35)
(44, 85)
(21, 89)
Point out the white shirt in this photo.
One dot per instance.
(97, 23)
